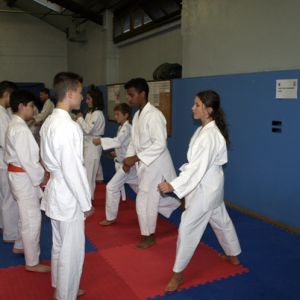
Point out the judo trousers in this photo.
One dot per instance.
(10, 212)
(67, 256)
(100, 172)
(193, 223)
(91, 166)
(149, 204)
(29, 227)
(114, 187)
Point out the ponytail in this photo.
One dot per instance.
(222, 125)
(212, 99)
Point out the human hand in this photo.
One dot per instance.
(130, 161)
(96, 142)
(126, 169)
(79, 115)
(113, 154)
(89, 212)
(165, 187)
(38, 124)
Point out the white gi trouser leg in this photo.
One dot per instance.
(67, 256)
(30, 216)
(10, 212)
(149, 204)
(91, 166)
(1, 203)
(99, 172)
(193, 224)
(113, 190)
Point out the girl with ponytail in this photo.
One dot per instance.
(93, 127)
(201, 182)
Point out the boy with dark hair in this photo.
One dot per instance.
(9, 215)
(25, 174)
(35, 122)
(67, 197)
(148, 151)
(116, 184)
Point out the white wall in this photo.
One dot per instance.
(141, 57)
(30, 50)
(230, 36)
(97, 60)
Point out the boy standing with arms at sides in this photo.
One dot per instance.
(25, 174)
(67, 197)
(116, 184)
(9, 216)
(38, 120)
(148, 150)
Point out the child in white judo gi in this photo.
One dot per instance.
(116, 184)
(67, 197)
(93, 127)
(36, 121)
(201, 182)
(9, 215)
(148, 151)
(25, 174)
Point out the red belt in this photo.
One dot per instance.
(12, 168)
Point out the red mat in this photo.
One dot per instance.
(118, 271)
(126, 230)
(147, 272)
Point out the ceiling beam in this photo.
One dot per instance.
(80, 10)
(11, 3)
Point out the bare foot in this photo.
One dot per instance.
(8, 242)
(17, 251)
(38, 268)
(233, 259)
(175, 282)
(106, 222)
(146, 243)
(80, 293)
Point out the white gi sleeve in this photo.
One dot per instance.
(194, 171)
(74, 173)
(46, 111)
(156, 128)
(25, 147)
(88, 126)
(3, 129)
(109, 143)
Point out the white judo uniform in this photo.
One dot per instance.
(66, 197)
(10, 215)
(41, 117)
(149, 143)
(116, 184)
(22, 151)
(201, 182)
(93, 127)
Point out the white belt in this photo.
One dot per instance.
(56, 174)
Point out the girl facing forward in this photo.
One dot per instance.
(201, 182)
(93, 127)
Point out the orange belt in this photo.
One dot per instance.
(12, 168)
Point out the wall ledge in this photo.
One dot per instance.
(263, 218)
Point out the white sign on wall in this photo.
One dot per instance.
(286, 89)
